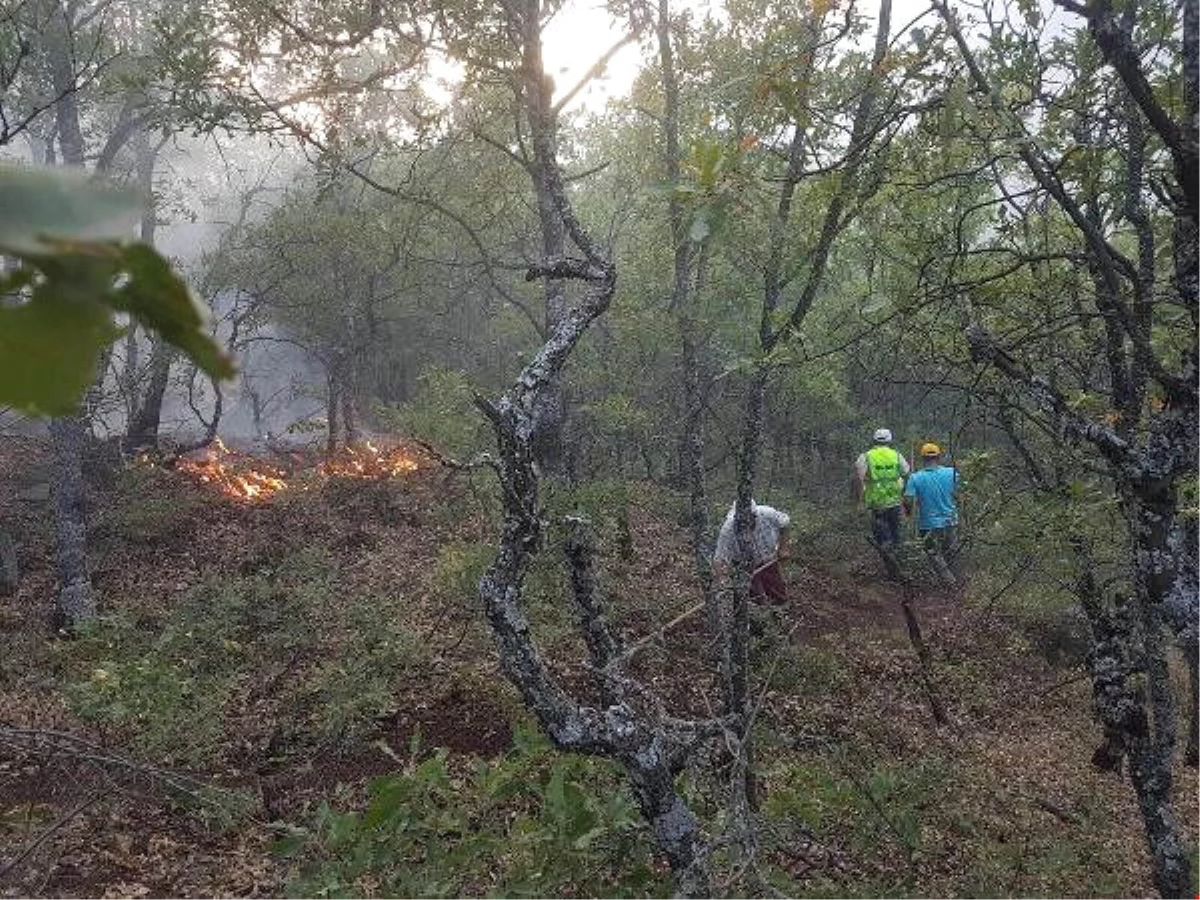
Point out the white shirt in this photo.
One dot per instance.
(768, 523)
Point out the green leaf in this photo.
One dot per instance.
(158, 299)
(555, 799)
(876, 303)
(49, 348)
(67, 293)
(700, 229)
(40, 202)
(62, 224)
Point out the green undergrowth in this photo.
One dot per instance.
(146, 506)
(870, 809)
(282, 636)
(810, 671)
(534, 822)
(927, 825)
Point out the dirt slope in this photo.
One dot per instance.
(863, 791)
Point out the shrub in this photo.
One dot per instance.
(442, 412)
(172, 690)
(166, 696)
(147, 506)
(534, 822)
(459, 566)
(808, 670)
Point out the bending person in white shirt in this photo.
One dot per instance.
(769, 539)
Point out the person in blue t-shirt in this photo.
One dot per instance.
(934, 489)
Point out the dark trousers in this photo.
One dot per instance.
(767, 585)
(941, 546)
(885, 525)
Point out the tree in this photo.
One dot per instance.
(62, 51)
(1136, 413)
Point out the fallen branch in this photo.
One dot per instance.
(51, 831)
(924, 658)
(1061, 813)
(480, 461)
(36, 741)
(657, 634)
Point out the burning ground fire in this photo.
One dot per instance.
(368, 461)
(244, 477)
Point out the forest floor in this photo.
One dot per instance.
(258, 660)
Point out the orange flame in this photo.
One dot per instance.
(235, 475)
(368, 461)
(240, 476)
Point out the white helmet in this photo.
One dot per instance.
(882, 436)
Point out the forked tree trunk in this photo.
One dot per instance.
(651, 750)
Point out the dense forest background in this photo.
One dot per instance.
(522, 297)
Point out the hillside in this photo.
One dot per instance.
(261, 662)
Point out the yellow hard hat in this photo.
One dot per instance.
(931, 449)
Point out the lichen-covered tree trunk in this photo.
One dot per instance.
(550, 413)
(651, 749)
(652, 753)
(1162, 584)
(1192, 749)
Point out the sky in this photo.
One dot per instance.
(584, 30)
(579, 35)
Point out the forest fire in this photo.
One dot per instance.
(233, 474)
(244, 477)
(368, 461)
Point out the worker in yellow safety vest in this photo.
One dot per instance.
(879, 484)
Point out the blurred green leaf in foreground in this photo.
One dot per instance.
(74, 272)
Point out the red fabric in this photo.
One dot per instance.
(767, 585)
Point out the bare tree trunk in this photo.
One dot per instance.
(332, 409)
(130, 377)
(684, 294)
(144, 423)
(76, 603)
(146, 414)
(349, 393)
(743, 799)
(211, 426)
